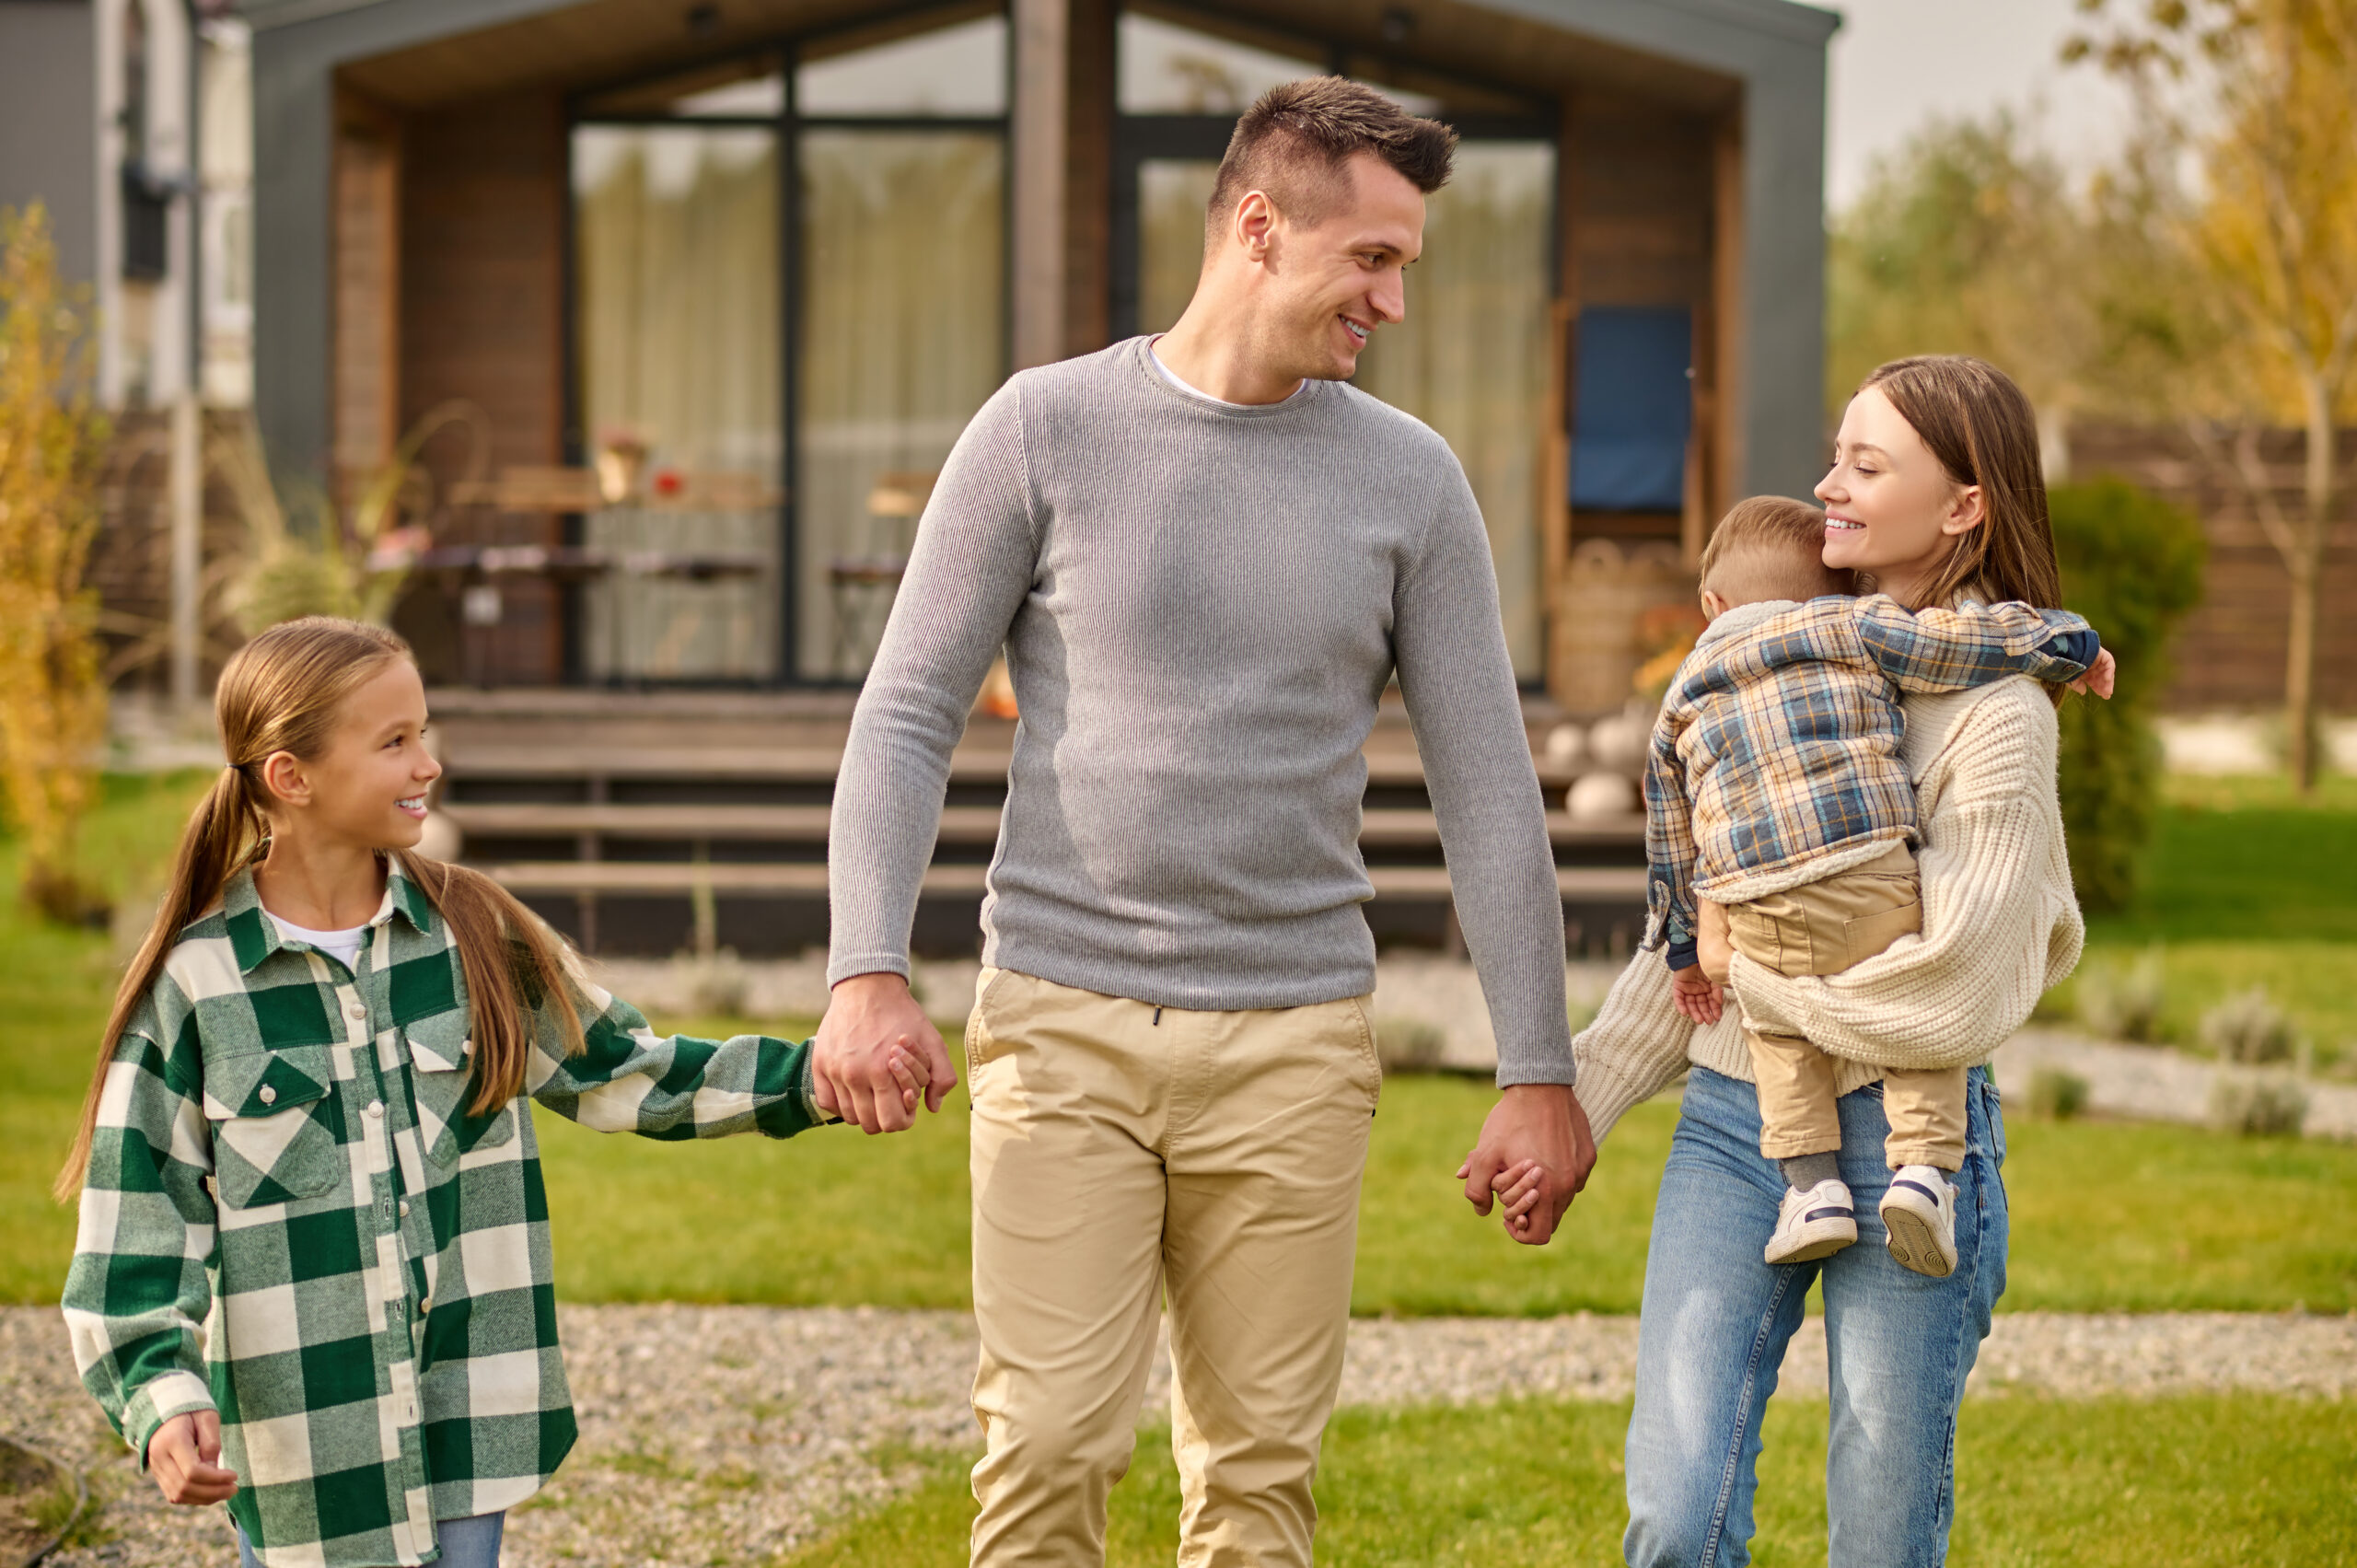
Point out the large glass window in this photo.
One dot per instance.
(766, 426)
(903, 338)
(676, 284)
(1472, 357)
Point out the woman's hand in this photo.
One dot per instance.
(180, 1456)
(2097, 681)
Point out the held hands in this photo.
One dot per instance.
(876, 1050)
(1535, 1153)
(182, 1456)
(2097, 681)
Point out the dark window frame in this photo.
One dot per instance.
(788, 124)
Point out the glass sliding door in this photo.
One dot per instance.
(900, 319)
(1471, 359)
(677, 332)
(789, 298)
(903, 337)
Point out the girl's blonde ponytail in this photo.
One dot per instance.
(224, 830)
(282, 693)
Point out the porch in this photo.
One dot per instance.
(653, 824)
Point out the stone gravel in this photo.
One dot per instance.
(730, 1434)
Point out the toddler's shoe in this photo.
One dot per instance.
(1815, 1224)
(1919, 1210)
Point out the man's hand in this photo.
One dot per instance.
(868, 1017)
(1696, 994)
(1712, 945)
(180, 1456)
(2097, 681)
(1540, 1122)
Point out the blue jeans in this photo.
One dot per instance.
(466, 1543)
(1717, 1319)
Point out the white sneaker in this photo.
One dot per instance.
(1815, 1224)
(1919, 1210)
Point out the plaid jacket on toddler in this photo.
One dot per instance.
(1775, 761)
(292, 1217)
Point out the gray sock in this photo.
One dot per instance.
(1804, 1171)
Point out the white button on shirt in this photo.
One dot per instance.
(376, 1107)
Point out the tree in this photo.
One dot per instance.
(1964, 242)
(53, 703)
(2264, 94)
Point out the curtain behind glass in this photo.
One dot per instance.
(903, 337)
(1471, 360)
(676, 246)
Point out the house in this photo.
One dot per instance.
(126, 119)
(682, 302)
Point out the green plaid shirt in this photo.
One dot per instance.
(292, 1217)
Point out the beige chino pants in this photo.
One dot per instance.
(1823, 928)
(1122, 1152)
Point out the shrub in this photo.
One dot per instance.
(2121, 1001)
(2132, 564)
(2056, 1094)
(2258, 1105)
(52, 701)
(2250, 1027)
(1409, 1045)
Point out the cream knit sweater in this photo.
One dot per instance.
(2000, 926)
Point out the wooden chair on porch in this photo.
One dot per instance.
(861, 587)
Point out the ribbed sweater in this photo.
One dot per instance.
(1202, 605)
(2001, 926)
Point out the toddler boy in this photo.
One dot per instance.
(1775, 792)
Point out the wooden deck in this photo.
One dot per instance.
(619, 815)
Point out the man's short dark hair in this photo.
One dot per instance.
(1293, 143)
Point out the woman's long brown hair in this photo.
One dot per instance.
(1984, 432)
(285, 692)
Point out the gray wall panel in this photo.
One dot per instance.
(49, 121)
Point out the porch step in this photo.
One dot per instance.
(959, 824)
(1386, 768)
(1583, 884)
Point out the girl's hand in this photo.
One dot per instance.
(2097, 681)
(180, 1456)
(1519, 1188)
(904, 1069)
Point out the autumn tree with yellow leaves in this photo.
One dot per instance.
(2263, 95)
(52, 701)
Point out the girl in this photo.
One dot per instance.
(1935, 493)
(313, 1274)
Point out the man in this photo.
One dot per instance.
(1205, 557)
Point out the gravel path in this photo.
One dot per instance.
(790, 1417)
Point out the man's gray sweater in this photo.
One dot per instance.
(1201, 606)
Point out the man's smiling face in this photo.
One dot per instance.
(1340, 279)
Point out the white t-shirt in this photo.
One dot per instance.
(344, 945)
(1193, 391)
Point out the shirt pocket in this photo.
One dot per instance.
(440, 1054)
(277, 1125)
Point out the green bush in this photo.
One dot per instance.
(2056, 1094)
(2131, 564)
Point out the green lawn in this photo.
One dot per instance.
(2107, 1216)
(2201, 1482)
(2249, 885)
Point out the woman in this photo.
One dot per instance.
(1935, 494)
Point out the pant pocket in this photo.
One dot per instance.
(978, 1033)
(1867, 935)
